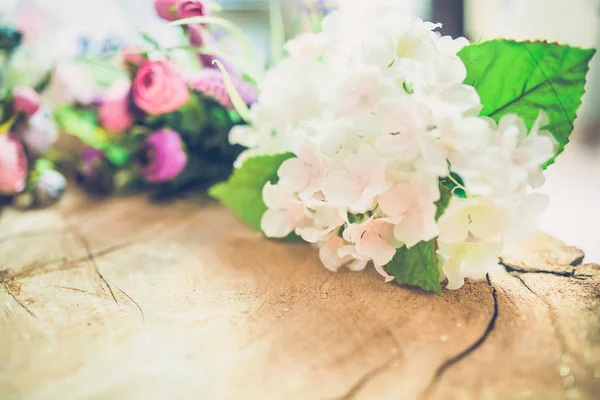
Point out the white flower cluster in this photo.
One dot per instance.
(375, 110)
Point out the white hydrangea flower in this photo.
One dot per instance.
(372, 240)
(410, 207)
(375, 110)
(285, 211)
(360, 180)
(467, 259)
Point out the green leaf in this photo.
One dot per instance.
(416, 266)
(243, 192)
(524, 77)
(117, 155)
(442, 203)
(82, 124)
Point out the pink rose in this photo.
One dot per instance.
(13, 165)
(159, 88)
(26, 100)
(166, 9)
(162, 157)
(210, 83)
(114, 112)
(192, 8)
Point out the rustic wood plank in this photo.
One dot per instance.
(127, 299)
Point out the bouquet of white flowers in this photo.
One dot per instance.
(383, 142)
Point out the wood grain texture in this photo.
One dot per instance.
(123, 299)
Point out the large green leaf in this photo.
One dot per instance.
(243, 192)
(416, 266)
(524, 77)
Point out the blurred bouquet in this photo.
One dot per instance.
(26, 134)
(160, 129)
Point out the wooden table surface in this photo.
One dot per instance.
(123, 299)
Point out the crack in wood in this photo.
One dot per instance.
(19, 302)
(367, 377)
(88, 251)
(566, 274)
(578, 261)
(77, 290)
(441, 370)
(37, 269)
(371, 374)
(134, 302)
(564, 347)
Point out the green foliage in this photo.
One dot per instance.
(243, 192)
(416, 266)
(82, 124)
(524, 77)
(442, 203)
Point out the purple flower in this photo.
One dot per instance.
(93, 171)
(210, 83)
(162, 157)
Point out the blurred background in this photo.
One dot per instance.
(59, 30)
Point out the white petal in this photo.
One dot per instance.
(276, 224)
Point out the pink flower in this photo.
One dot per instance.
(13, 165)
(166, 9)
(192, 8)
(26, 100)
(210, 83)
(94, 172)
(159, 88)
(162, 157)
(372, 240)
(114, 114)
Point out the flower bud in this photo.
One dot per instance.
(113, 113)
(162, 157)
(26, 100)
(166, 9)
(13, 165)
